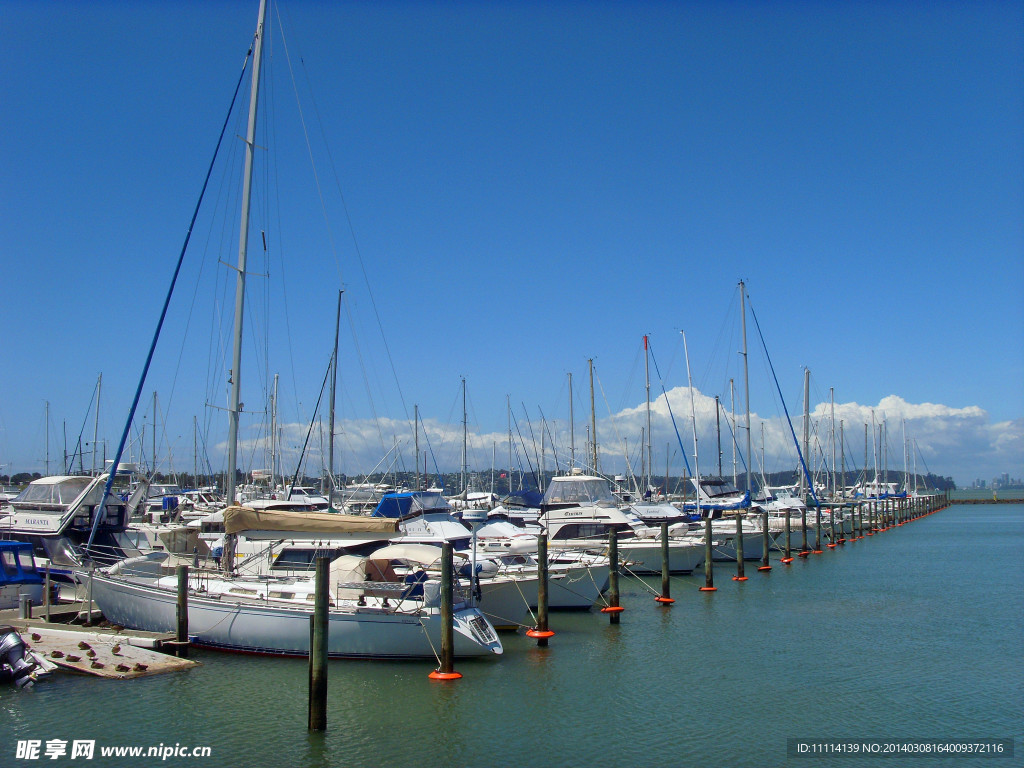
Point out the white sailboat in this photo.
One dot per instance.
(382, 618)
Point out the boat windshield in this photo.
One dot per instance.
(63, 492)
(588, 490)
(715, 487)
(163, 490)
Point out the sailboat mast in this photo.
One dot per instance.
(465, 440)
(334, 386)
(416, 443)
(96, 423)
(807, 428)
(235, 377)
(46, 430)
(273, 435)
(572, 430)
(842, 460)
(693, 416)
(832, 398)
(746, 381)
(593, 416)
(647, 382)
(732, 399)
(718, 432)
(508, 417)
(154, 435)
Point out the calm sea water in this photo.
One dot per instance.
(916, 633)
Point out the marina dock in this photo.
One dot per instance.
(101, 651)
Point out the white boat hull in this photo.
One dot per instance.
(507, 601)
(643, 556)
(368, 632)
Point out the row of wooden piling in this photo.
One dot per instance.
(869, 518)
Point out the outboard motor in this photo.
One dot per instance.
(16, 665)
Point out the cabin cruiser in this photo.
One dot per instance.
(578, 511)
(56, 516)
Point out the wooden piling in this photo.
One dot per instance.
(24, 606)
(739, 549)
(787, 550)
(766, 542)
(665, 596)
(613, 609)
(817, 528)
(181, 613)
(804, 548)
(447, 669)
(541, 633)
(318, 629)
(47, 588)
(709, 568)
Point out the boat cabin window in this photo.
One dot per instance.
(25, 560)
(715, 487)
(9, 562)
(303, 559)
(591, 531)
(64, 492)
(592, 490)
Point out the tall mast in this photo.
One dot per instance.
(195, 454)
(647, 382)
(832, 398)
(154, 435)
(572, 430)
(693, 415)
(416, 443)
(235, 377)
(273, 434)
(842, 459)
(508, 416)
(465, 440)
(746, 381)
(334, 385)
(46, 431)
(807, 427)
(718, 432)
(732, 398)
(96, 423)
(906, 458)
(593, 416)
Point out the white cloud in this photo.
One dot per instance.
(958, 442)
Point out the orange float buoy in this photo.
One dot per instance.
(787, 560)
(612, 609)
(539, 633)
(709, 589)
(764, 568)
(664, 600)
(436, 675)
(740, 578)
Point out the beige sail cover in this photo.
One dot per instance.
(246, 519)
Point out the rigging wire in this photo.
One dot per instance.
(100, 511)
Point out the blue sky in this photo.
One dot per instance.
(525, 186)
